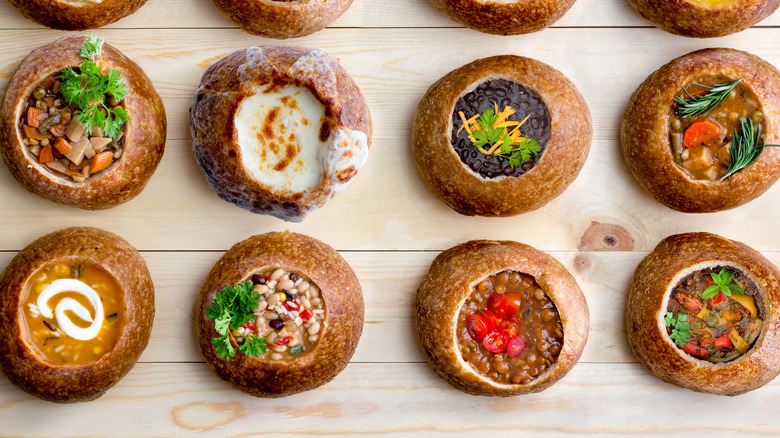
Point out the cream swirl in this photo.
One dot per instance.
(63, 320)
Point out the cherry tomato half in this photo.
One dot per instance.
(516, 346)
(497, 304)
(513, 302)
(511, 326)
(477, 325)
(496, 341)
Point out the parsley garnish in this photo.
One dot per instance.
(723, 284)
(517, 154)
(231, 308)
(680, 328)
(88, 88)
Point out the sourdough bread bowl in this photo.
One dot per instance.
(279, 129)
(282, 18)
(305, 309)
(500, 318)
(683, 160)
(78, 176)
(704, 18)
(104, 281)
(502, 17)
(668, 289)
(538, 111)
(76, 14)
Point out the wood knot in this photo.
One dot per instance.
(606, 237)
(582, 263)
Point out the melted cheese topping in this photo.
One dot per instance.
(291, 145)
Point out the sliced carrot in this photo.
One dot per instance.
(47, 155)
(700, 132)
(35, 116)
(73, 173)
(32, 133)
(62, 145)
(101, 161)
(58, 130)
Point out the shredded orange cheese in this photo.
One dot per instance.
(471, 125)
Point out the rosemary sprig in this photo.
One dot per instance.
(703, 103)
(746, 147)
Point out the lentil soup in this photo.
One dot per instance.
(290, 314)
(509, 330)
(701, 144)
(72, 313)
(707, 323)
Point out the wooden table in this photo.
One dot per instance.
(389, 227)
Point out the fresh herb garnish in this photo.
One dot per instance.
(88, 90)
(746, 147)
(491, 130)
(681, 331)
(231, 308)
(703, 103)
(722, 284)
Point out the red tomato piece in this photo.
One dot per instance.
(250, 325)
(717, 299)
(497, 304)
(516, 346)
(291, 305)
(511, 326)
(513, 302)
(724, 342)
(305, 315)
(496, 341)
(284, 341)
(695, 350)
(477, 326)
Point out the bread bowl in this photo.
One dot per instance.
(477, 290)
(704, 18)
(76, 14)
(670, 282)
(107, 286)
(690, 173)
(302, 326)
(282, 18)
(476, 180)
(94, 170)
(502, 17)
(279, 129)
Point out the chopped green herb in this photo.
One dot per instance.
(520, 153)
(703, 103)
(746, 147)
(680, 328)
(723, 284)
(231, 308)
(88, 89)
(296, 350)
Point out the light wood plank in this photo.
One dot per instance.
(393, 400)
(394, 71)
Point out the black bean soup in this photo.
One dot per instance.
(502, 93)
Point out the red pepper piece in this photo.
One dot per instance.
(695, 350)
(724, 342)
(305, 315)
(717, 299)
(284, 341)
(292, 305)
(250, 325)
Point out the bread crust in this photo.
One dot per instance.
(144, 139)
(75, 383)
(343, 323)
(504, 17)
(214, 136)
(659, 272)
(282, 19)
(452, 278)
(467, 192)
(68, 15)
(644, 133)
(694, 19)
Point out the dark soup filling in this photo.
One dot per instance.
(714, 314)
(500, 128)
(509, 330)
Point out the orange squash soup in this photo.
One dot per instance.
(72, 312)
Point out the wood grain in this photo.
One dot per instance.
(389, 227)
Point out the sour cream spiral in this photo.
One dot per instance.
(67, 326)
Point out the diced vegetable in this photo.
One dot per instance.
(101, 161)
(700, 133)
(62, 145)
(35, 116)
(75, 130)
(695, 350)
(47, 155)
(738, 341)
(724, 342)
(32, 133)
(747, 302)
